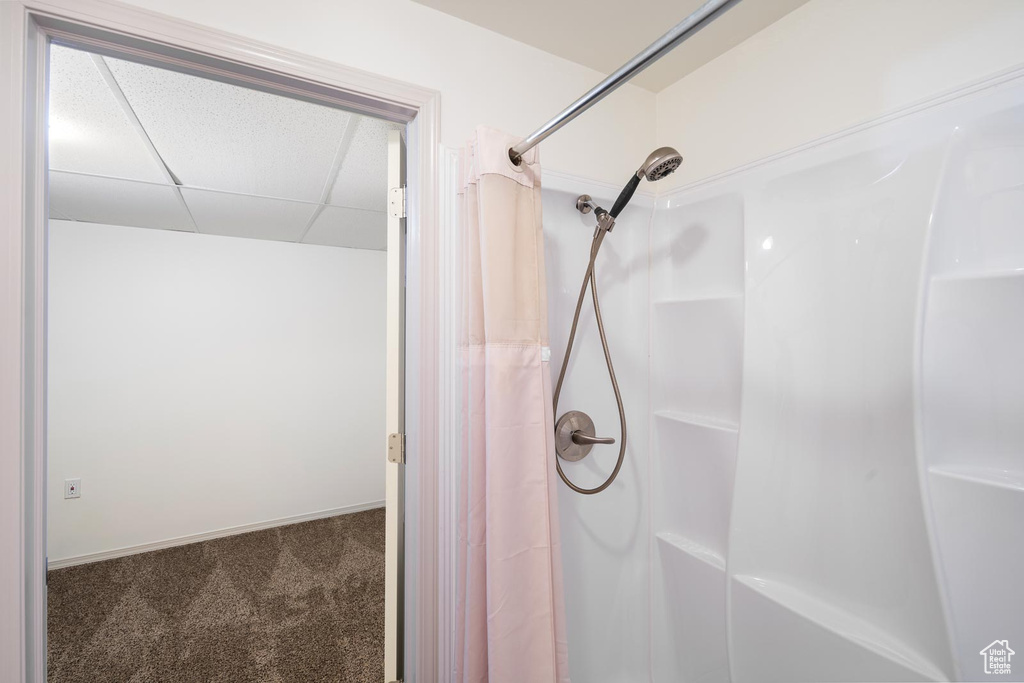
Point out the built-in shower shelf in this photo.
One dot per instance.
(678, 301)
(689, 632)
(986, 476)
(846, 625)
(706, 421)
(697, 356)
(1017, 273)
(695, 550)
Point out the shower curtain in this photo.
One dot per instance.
(510, 626)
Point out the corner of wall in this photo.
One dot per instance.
(812, 74)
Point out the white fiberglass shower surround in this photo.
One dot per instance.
(820, 360)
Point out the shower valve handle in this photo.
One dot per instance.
(578, 437)
(574, 436)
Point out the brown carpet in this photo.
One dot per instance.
(297, 603)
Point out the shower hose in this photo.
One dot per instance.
(591, 279)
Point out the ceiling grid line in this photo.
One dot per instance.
(332, 176)
(203, 188)
(136, 145)
(118, 93)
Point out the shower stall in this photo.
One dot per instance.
(819, 358)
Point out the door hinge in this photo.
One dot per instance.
(396, 448)
(396, 202)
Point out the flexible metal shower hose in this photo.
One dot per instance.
(591, 278)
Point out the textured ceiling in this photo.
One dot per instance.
(605, 34)
(146, 147)
(89, 132)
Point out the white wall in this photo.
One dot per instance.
(826, 66)
(483, 77)
(198, 383)
(605, 537)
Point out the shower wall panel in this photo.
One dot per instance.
(829, 536)
(972, 377)
(605, 537)
(836, 397)
(696, 365)
(836, 461)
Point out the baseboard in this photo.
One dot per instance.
(209, 535)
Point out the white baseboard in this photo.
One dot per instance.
(208, 535)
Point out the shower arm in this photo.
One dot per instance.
(704, 15)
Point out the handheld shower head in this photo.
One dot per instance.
(660, 163)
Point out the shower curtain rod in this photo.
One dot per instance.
(704, 15)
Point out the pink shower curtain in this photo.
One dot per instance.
(511, 618)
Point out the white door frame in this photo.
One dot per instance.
(394, 486)
(26, 26)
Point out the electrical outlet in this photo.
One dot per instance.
(72, 488)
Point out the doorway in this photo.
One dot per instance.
(37, 28)
(217, 338)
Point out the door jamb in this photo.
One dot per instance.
(26, 26)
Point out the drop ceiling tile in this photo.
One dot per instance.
(89, 129)
(117, 202)
(239, 215)
(355, 228)
(362, 181)
(225, 137)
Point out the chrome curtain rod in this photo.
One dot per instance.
(704, 15)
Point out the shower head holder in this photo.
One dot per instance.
(585, 204)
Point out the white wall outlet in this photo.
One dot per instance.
(72, 488)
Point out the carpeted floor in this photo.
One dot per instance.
(287, 605)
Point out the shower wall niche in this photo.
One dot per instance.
(826, 468)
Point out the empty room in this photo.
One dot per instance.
(216, 379)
